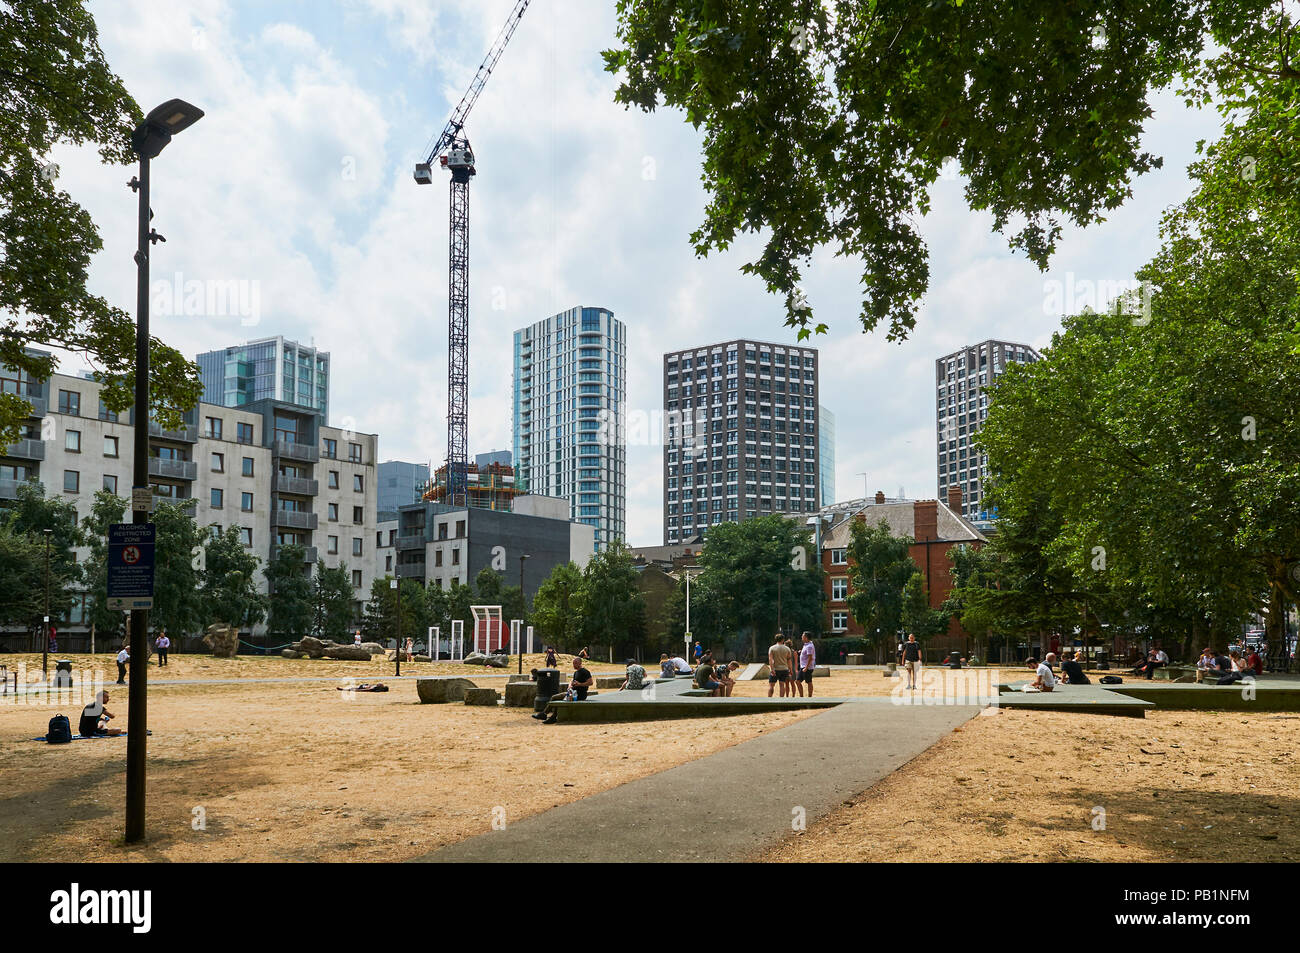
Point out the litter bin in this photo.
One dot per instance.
(63, 673)
(954, 660)
(548, 684)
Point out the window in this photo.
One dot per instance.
(356, 579)
(248, 466)
(246, 536)
(212, 428)
(839, 589)
(106, 414)
(110, 446)
(217, 496)
(437, 557)
(358, 483)
(333, 548)
(110, 483)
(218, 463)
(72, 441)
(70, 403)
(334, 513)
(455, 557)
(356, 547)
(460, 528)
(332, 449)
(334, 480)
(358, 514)
(839, 557)
(354, 453)
(388, 564)
(71, 481)
(244, 433)
(839, 621)
(246, 502)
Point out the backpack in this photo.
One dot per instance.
(60, 732)
(1111, 680)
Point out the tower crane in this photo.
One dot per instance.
(451, 150)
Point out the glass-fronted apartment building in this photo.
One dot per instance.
(826, 448)
(740, 435)
(267, 369)
(569, 385)
(962, 382)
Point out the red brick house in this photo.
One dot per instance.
(936, 528)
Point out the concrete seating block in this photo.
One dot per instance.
(434, 691)
(822, 671)
(520, 694)
(481, 696)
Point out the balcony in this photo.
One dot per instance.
(410, 570)
(9, 489)
(295, 451)
(39, 405)
(27, 449)
(291, 519)
(187, 504)
(173, 469)
(187, 434)
(298, 485)
(406, 543)
(310, 553)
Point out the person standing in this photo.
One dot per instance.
(551, 660)
(779, 662)
(123, 657)
(162, 644)
(796, 683)
(356, 638)
(54, 639)
(912, 659)
(807, 662)
(699, 653)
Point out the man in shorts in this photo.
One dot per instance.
(912, 659)
(807, 662)
(704, 677)
(780, 663)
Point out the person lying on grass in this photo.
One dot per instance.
(94, 718)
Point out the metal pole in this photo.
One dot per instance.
(45, 652)
(137, 692)
(397, 655)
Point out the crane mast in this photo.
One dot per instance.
(452, 151)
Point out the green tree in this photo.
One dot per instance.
(557, 607)
(105, 509)
(228, 583)
(614, 611)
(331, 597)
(23, 583)
(290, 586)
(177, 603)
(31, 513)
(824, 129)
(879, 568)
(59, 90)
(974, 575)
(916, 615)
(379, 621)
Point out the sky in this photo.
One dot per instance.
(298, 184)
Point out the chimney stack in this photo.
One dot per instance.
(880, 496)
(955, 498)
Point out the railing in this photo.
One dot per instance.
(291, 519)
(173, 469)
(9, 489)
(310, 553)
(295, 451)
(406, 543)
(410, 570)
(187, 434)
(299, 485)
(26, 449)
(39, 405)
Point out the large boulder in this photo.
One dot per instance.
(347, 653)
(435, 691)
(314, 647)
(374, 648)
(222, 640)
(289, 653)
(492, 661)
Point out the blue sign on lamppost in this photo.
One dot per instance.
(131, 565)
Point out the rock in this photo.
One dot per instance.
(482, 696)
(222, 639)
(610, 681)
(423, 658)
(519, 678)
(288, 653)
(347, 653)
(374, 648)
(494, 661)
(433, 691)
(520, 694)
(314, 647)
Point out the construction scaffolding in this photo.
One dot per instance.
(487, 488)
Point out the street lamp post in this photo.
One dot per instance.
(397, 655)
(520, 646)
(45, 651)
(148, 140)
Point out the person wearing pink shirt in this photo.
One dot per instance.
(807, 662)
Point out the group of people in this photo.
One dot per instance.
(789, 669)
(161, 644)
(1230, 668)
(1046, 679)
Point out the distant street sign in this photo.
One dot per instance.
(131, 565)
(141, 499)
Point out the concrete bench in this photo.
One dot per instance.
(482, 696)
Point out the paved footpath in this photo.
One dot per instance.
(746, 792)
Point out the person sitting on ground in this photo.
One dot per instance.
(1044, 678)
(724, 675)
(579, 685)
(704, 676)
(635, 676)
(666, 667)
(1072, 671)
(681, 666)
(95, 718)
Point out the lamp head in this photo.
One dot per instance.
(163, 122)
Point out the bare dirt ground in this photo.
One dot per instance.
(261, 666)
(298, 772)
(1027, 786)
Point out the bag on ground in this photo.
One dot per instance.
(60, 732)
